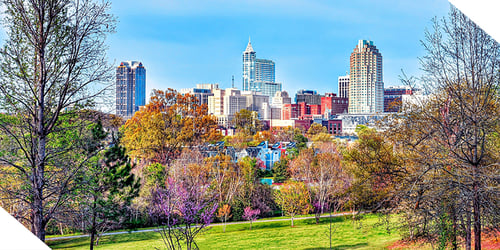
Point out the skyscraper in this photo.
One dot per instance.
(130, 88)
(249, 57)
(259, 74)
(366, 86)
(264, 70)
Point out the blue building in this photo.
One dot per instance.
(130, 88)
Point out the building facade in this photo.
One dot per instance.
(393, 97)
(249, 58)
(130, 88)
(344, 86)
(308, 96)
(331, 104)
(259, 74)
(264, 70)
(366, 86)
(265, 88)
(216, 102)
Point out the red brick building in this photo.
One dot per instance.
(334, 127)
(333, 103)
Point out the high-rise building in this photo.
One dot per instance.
(258, 74)
(264, 70)
(344, 86)
(130, 88)
(249, 57)
(366, 86)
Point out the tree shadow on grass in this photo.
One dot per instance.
(341, 247)
(78, 242)
(104, 240)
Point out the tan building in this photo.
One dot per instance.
(366, 85)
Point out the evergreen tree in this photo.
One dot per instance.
(112, 186)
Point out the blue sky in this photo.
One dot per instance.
(182, 43)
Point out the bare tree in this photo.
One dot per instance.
(51, 65)
(449, 141)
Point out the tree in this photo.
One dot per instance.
(449, 138)
(293, 198)
(54, 55)
(286, 134)
(182, 211)
(250, 215)
(227, 179)
(323, 172)
(111, 188)
(280, 169)
(301, 140)
(224, 213)
(168, 122)
(265, 135)
(322, 138)
(315, 129)
(375, 171)
(247, 122)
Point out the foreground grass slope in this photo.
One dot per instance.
(367, 233)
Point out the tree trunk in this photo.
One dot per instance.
(38, 227)
(292, 221)
(39, 139)
(477, 220)
(468, 236)
(93, 227)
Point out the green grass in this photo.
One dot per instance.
(364, 234)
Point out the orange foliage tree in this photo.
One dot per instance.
(167, 123)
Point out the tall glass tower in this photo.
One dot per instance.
(258, 74)
(130, 88)
(248, 66)
(366, 87)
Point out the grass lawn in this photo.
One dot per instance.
(367, 233)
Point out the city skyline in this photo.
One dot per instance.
(310, 42)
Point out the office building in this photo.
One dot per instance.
(366, 86)
(344, 86)
(130, 88)
(256, 102)
(265, 88)
(259, 74)
(308, 96)
(233, 102)
(216, 102)
(201, 92)
(249, 57)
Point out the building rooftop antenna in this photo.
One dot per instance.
(233, 82)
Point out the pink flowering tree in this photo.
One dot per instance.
(182, 212)
(250, 215)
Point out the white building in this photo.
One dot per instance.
(344, 86)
